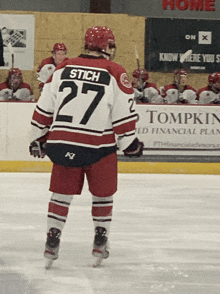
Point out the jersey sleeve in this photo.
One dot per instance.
(44, 71)
(43, 114)
(123, 111)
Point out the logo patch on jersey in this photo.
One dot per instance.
(71, 155)
(125, 81)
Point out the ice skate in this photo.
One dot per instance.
(52, 246)
(100, 246)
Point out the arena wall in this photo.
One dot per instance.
(70, 28)
(15, 118)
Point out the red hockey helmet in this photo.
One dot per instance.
(143, 72)
(59, 47)
(97, 38)
(214, 78)
(14, 72)
(180, 72)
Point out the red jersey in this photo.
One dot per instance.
(87, 108)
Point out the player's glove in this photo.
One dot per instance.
(142, 99)
(145, 99)
(183, 101)
(140, 89)
(135, 149)
(216, 101)
(37, 149)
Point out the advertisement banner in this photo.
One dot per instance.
(179, 130)
(15, 122)
(168, 131)
(168, 39)
(18, 40)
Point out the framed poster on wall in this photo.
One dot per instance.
(17, 33)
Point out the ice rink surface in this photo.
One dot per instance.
(165, 237)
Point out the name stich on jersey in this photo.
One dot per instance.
(86, 74)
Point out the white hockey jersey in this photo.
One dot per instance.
(45, 70)
(23, 93)
(207, 96)
(150, 94)
(171, 94)
(84, 106)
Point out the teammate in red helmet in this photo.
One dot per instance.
(179, 92)
(85, 112)
(211, 93)
(145, 92)
(48, 65)
(14, 89)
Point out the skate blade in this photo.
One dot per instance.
(49, 263)
(97, 261)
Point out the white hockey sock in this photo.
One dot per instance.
(102, 212)
(58, 210)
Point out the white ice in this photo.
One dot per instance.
(165, 237)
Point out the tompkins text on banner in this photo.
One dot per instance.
(187, 129)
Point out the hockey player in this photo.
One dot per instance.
(211, 93)
(14, 89)
(145, 92)
(179, 92)
(48, 65)
(86, 103)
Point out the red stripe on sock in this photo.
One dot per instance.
(102, 211)
(57, 209)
